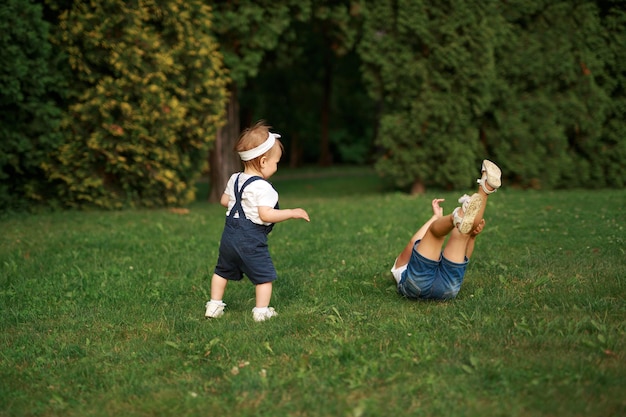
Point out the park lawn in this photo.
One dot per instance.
(102, 312)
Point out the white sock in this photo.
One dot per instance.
(215, 301)
(261, 309)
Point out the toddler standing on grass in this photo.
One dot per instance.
(252, 205)
(423, 270)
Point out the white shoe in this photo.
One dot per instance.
(214, 309)
(471, 207)
(490, 174)
(263, 314)
(464, 199)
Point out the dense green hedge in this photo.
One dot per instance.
(30, 87)
(147, 98)
(431, 65)
(555, 115)
(537, 85)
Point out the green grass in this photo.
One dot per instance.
(102, 312)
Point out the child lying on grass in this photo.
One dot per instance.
(423, 270)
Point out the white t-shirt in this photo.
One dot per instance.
(257, 193)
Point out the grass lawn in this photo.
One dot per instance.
(102, 312)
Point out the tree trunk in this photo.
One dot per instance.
(325, 155)
(223, 160)
(418, 187)
(295, 156)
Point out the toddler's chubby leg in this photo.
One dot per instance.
(263, 311)
(215, 307)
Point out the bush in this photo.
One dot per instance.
(536, 86)
(29, 114)
(148, 96)
(431, 68)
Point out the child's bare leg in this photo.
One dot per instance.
(263, 294)
(456, 247)
(218, 286)
(432, 242)
(461, 245)
(488, 183)
(485, 197)
(469, 250)
(405, 255)
(215, 306)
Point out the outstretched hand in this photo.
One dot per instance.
(437, 209)
(479, 228)
(299, 213)
(272, 215)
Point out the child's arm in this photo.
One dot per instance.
(271, 215)
(224, 200)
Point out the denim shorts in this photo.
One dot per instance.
(425, 278)
(244, 250)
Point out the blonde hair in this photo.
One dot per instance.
(252, 137)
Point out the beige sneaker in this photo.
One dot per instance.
(490, 175)
(471, 207)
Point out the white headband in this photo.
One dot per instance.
(261, 149)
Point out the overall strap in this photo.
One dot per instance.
(237, 208)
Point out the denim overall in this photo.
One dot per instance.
(243, 247)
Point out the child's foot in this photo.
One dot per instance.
(214, 309)
(264, 313)
(490, 179)
(470, 208)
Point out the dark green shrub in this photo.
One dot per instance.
(29, 114)
(546, 124)
(538, 86)
(431, 66)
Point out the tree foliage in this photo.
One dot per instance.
(309, 87)
(246, 31)
(431, 65)
(536, 85)
(608, 168)
(143, 88)
(147, 98)
(546, 122)
(30, 86)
